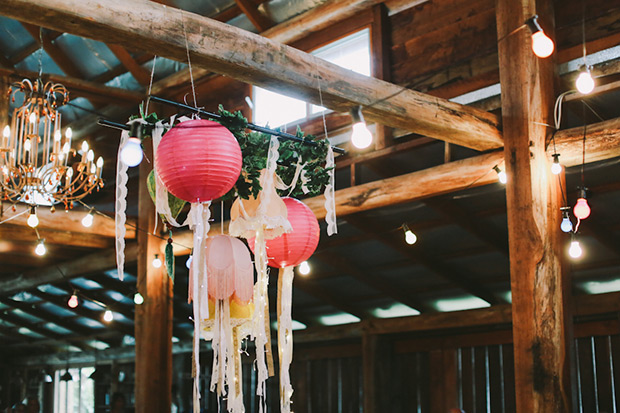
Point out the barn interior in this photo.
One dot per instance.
(486, 311)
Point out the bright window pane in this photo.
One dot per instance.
(275, 109)
(351, 52)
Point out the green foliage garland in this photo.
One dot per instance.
(254, 150)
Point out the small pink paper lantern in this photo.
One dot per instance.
(229, 269)
(291, 249)
(198, 160)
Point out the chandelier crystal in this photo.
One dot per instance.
(37, 164)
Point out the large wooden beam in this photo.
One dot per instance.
(153, 319)
(540, 288)
(61, 220)
(79, 87)
(144, 25)
(76, 239)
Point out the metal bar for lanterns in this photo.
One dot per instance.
(251, 126)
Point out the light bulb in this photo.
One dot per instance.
(57, 135)
(542, 45)
(87, 221)
(304, 268)
(556, 167)
(188, 263)
(90, 156)
(40, 250)
(33, 220)
(584, 82)
(69, 173)
(99, 162)
(84, 147)
(68, 133)
(575, 250)
(361, 137)
(73, 301)
(66, 147)
(131, 153)
(581, 209)
(108, 316)
(6, 132)
(410, 237)
(501, 175)
(93, 168)
(27, 145)
(138, 299)
(566, 225)
(157, 262)
(33, 117)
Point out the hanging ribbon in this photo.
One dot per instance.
(330, 199)
(285, 335)
(261, 302)
(120, 206)
(198, 218)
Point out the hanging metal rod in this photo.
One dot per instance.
(251, 126)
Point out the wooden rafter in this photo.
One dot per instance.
(141, 74)
(456, 276)
(381, 284)
(148, 26)
(76, 239)
(258, 19)
(91, 263)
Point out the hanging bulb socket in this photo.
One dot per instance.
(542, 45)
(410, 237)
(157, 261)
(585, 82)
(582, 209)
(501, 175)
(40, 249)
(73, 301)
(575, 250)
(33, 220)
(361, 137)
(566, 225)
(556, 167)
(87, 221)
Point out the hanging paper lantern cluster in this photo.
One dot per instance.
(198, 160)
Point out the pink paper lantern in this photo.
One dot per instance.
(229, 269)
(198, 160)
(293, 248)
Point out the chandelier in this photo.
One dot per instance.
(37, 164)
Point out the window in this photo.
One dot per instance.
(351, 52)
(77, 395)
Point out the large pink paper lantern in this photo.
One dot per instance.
(198, 160)
(291, 249)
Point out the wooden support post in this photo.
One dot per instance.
(376, 356)
(380, 50)
(153, 321)
(443, 380)
(540, 298)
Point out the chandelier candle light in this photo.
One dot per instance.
(37, 163)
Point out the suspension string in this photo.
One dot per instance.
(583, 161)
(148, 99)
(189, 61)
(318, 81)
(40, 52)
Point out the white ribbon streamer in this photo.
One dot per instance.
(120, 207)
(285, 337)
(330, 199)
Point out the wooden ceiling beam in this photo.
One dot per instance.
(44, 315)
(77, 239)
(380, 284)
(80, 87)
(31, 48)
(258, 19)
(92, 263)
(68, 221)
(456, 276)
(251, 58)
(324, 295)
(85, 312)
